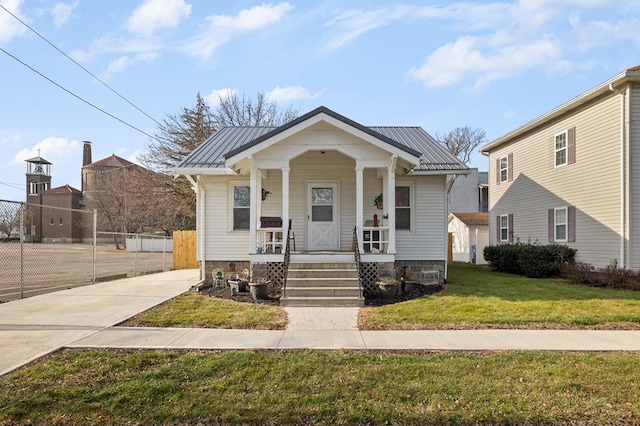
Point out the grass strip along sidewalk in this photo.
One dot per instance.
(314, 387)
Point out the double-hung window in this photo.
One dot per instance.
(560, 221)
(504, 228)
(561, 149)
(562, 224)
(403, 207)
(241, 207)
(504, 168)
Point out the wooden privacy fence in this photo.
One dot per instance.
(184, 250)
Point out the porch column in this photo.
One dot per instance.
(285, 204)
(359, 204)
(255, 189)
(390, 203)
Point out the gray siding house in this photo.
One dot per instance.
(572, 176)
(318, 176)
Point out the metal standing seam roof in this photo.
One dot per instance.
(211, 153)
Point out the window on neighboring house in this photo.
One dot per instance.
(504, 169)
(505, 228)
(561, 149)
(241, 207)
(52, 221)
(565, 147)
(61, 221)
(562, 224)
(403, 207)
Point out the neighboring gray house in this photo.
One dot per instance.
(572, 176)
(320, 173)
(470, 193)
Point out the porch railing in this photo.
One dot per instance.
(356, 256)
(287, 258)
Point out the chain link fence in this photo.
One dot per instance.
(45, 249)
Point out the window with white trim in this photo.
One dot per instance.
(504, 169)
(403, 207)
(504, 228)
(241, 207)
(561, 154)
(560, 224)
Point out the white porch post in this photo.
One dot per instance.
(390, 203)
(359, 204)
(285, 203)
(255, 189)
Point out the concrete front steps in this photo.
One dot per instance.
(325, 283)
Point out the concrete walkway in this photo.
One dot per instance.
(84, 317)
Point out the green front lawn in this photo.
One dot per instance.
(478, 298)
(313, 387)
(196, 310)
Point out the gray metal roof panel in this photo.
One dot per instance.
(211, 153)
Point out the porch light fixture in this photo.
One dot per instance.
(322, 151)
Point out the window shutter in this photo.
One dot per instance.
(498, 228)
(571, 145)
(571, 224)
(551, 225)
(510, 167)
(498, 171)
(510, 225)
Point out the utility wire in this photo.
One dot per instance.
(12, 185)
(76, 96)
(78, 64)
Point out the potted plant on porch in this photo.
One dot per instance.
(377, 201)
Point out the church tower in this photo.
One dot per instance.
(38, 181)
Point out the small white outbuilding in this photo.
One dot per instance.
(470, 235)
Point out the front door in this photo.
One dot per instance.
(322, 216)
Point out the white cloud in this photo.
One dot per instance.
(222, 28)
(213, 98)
(468, 58)
(154, 15)
(62, 12)
(9, 26)
(53, 148)
(291, 93)
(357, 22)
(120, 64)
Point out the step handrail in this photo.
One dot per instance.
(356, 256)
(287, 258)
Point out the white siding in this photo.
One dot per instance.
(428, 238)
(591, 184)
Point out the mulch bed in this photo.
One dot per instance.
(371, 298)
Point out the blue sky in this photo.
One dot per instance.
(435, 64)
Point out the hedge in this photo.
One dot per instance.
(531, 260)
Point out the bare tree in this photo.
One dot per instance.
(240, 110)
(180, 134)
(462, 143)
(9, 219)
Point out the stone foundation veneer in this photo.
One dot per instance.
(210, 265)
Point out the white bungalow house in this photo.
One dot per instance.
(301, 196)
(469, 236)
(572, 176)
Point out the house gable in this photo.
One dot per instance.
(311, 125)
